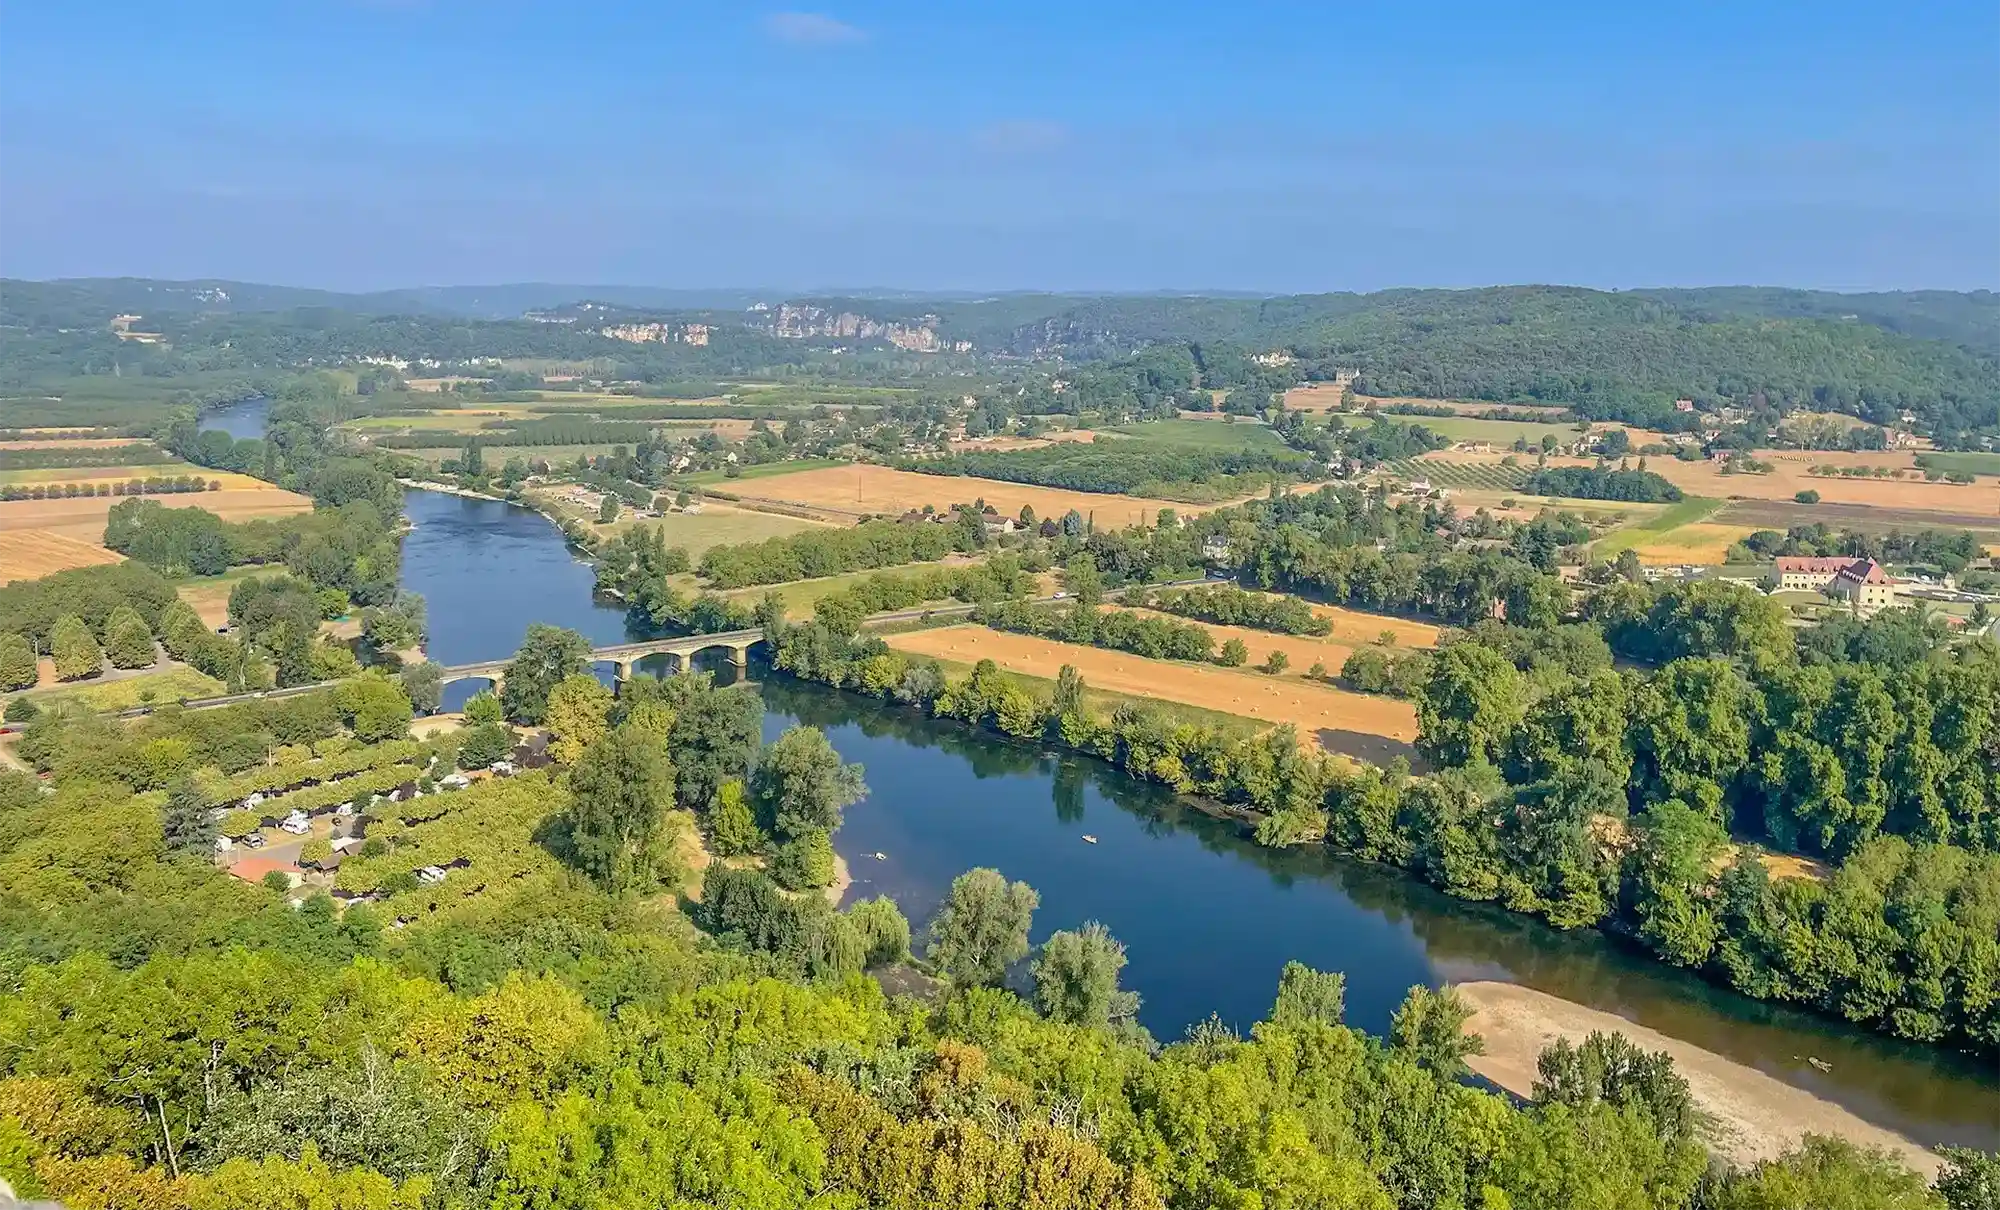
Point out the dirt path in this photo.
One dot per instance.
(1756, 1116)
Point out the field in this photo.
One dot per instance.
(28, 554)
(83, 519)
(763, 470)
(1209, 434)
(1365, 727)
(717, 524)
(210, 594)
(1302, 650)
(165, 685)
(1971, 462)
(1488, 475)
(68, 443)
(1499, 432)
(111, 474)
(1679, 533)
(863, 488)
(1783, 514)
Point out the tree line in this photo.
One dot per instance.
(1229, 605)
(157, 485)
(1601, 483)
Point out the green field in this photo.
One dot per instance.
(148, 688)
(1970, 462)
(1499, 432)
(1209, 434)
(715, 525)
(1463, 474)
(1691, 511)
(723, 479)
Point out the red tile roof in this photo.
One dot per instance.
(253, 869)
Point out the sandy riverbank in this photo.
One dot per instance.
(1756, 1116)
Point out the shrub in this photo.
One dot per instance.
(1276, 662)
(1234, 654)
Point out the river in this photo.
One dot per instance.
(1208, 916)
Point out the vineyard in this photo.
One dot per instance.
(1462, 474)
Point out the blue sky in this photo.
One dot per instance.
(361, 144)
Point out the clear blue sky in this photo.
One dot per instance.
(1094, 144)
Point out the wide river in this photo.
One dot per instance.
(1208, 916)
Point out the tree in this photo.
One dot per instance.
(75, 651)
(804, 863)
(1306, 995)
(547, 656)
(620, 791)
(801, 785)
(1233, 654)
(17, 662)
(1808, 496)
(1970, 1180)
(982, 928)
(1076, 978)
(1609, 1069)
(607, 512)
(1430, 1028)
(1276, 662)
(315, 851)
(375, 707)
(885, 932)
(184, 821)
(1827, 1173)
(423, 684)
(575, 717)
(1469, 705)
(715, 733)
(484, 744)
(1670, 866)
(732, 825)
(128, 640)
(483, 707)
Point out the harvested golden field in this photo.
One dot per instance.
(862, 488)
(69, 443)
(30, 554)
(1788, 477)
(1365, 727)
(83, 517)
(120, 474)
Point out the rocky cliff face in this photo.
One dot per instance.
(799, 321)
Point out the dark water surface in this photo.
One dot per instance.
(1208, 916)
(240, 420)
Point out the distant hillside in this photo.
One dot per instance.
(1611, 355)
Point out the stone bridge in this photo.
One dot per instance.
(625, 656)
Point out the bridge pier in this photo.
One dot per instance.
(739, 657)
(621, 673)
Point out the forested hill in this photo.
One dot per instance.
(1611, 355)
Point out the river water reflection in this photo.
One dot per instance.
(1208, 917)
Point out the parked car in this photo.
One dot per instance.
(297, 823)
(255, 840)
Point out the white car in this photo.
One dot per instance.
(504, 768)
(430, 875)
